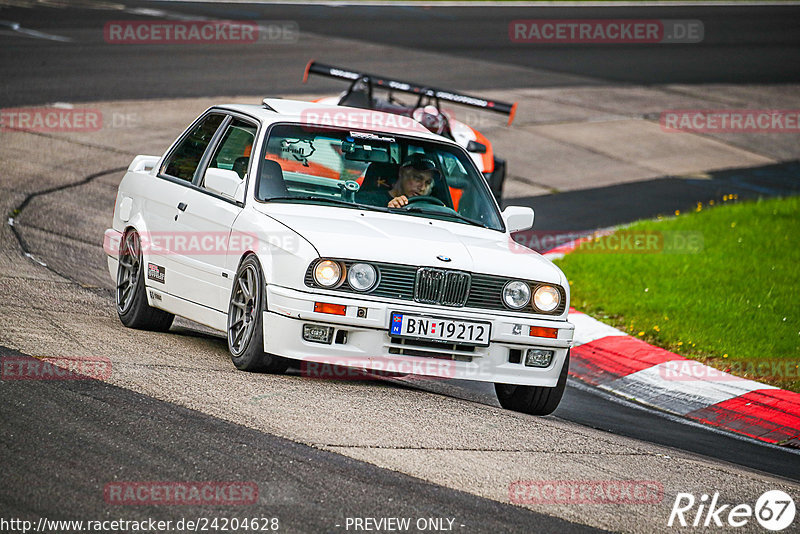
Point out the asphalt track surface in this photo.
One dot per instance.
(602, 207)
(753, 45)
(57, 419)
(741, 45)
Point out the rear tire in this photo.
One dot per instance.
(533, 400)
(131, 295)
(246, 321)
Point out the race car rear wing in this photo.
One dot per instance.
(383, 82)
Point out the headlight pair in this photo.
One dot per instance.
(331, 274)
(517, 295)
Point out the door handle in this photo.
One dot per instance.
(182, 206)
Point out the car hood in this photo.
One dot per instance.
(409, 240)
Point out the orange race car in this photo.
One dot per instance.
(427, 110)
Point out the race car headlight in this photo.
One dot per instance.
(546, 298)
(362, 276)
(328, 273)
(516, 294)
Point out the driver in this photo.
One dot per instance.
(415, 178)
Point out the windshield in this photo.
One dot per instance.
(302, 163)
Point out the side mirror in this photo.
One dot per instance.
(223, 182)
(518, 218)
(478, 148)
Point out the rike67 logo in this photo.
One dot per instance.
(774, 510)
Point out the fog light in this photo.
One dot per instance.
(538, 357)
(317, 334)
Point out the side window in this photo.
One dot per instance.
(183, 161)
(233, 152)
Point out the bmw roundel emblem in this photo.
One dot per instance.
(442, 258)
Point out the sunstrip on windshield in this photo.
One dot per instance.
(408, 87)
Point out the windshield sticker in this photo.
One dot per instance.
(300, 149)
(371, 136)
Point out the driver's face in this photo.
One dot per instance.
(415, 183)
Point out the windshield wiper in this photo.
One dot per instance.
(336, 201)
(455, 214)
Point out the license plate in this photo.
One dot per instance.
(440, 329)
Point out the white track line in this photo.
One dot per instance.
(17, 28)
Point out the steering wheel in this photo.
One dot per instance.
(424, 198)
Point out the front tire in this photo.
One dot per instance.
(533, 400)
(246, 321)
(131, 298)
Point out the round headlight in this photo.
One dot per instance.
(546, 298)
(362, 276)
(516, 294)
(328, 273)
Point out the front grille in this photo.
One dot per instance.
(437, 286)
(394, 281)
(486, 292)
(429, 349)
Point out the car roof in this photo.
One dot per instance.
(280, 110)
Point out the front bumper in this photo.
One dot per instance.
(364, 342)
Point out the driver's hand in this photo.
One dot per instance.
(398, 202)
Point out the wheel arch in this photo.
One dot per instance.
(137, 224)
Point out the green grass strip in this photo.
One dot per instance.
(720, 284)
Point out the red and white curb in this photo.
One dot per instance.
(612, 360)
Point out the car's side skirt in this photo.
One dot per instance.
(190, 310)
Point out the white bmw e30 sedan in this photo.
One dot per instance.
(272, 223)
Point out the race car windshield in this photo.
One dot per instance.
(311, 164)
